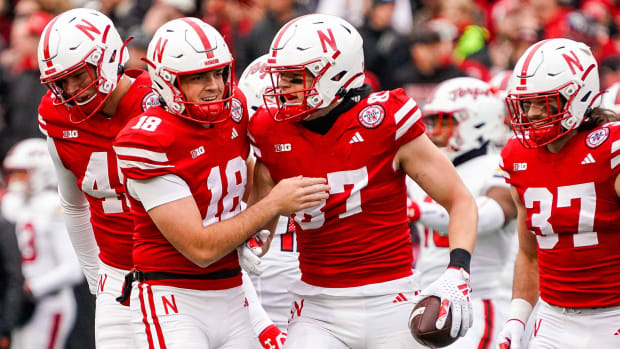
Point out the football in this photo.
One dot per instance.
(422, 324)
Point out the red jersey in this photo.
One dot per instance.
(86, 150)
(360, 235)
(573, 209)
(212, 161)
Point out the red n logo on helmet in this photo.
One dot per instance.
(331, 41)
(572, 62)
(158, 52)
(87, 28)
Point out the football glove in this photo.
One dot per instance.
(453, 290)
(272, 338)
(249, 261)
(511, 334)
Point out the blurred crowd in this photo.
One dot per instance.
(413, 44)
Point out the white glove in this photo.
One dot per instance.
(511, 334)
(453, 290)
(258, 242)
(250, 251)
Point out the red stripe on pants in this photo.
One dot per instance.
(149, 335)
(55, 329)
(489, 316)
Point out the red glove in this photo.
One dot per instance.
(272, 338)
(413, 210)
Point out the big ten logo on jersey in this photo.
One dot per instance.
(69, 134)
(345, 188)
(288, 241)
(437, 238)
(197, 152)
(282, 147)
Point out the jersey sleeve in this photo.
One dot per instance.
(257, 126)
(407, 117)
(506, 159)
(44, 111)
(142, 155)
(615, 148)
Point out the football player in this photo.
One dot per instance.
(91, 97)
(280, 264)
(186, 168)
(563, 166)
(50, 266)
(357, 288)
(464, 117)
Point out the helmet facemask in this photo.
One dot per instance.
(206, 112)
(440, 127)
(81, 40)
(72, 107)
(538, 133)
(289, 106)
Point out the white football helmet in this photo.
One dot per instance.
(562, 70)
(188, 46)
(254, 82)
(611, 98)
(71, 41)
(31, 155)
(327, 47)
(473, 108)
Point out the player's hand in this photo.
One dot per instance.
(272, 338)
(249, 261)
(259, 243)
(413, 210)
(453, 289)
(298, 193)
(510, 335)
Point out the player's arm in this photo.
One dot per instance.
(180, 220)
(495, 209)
(617, 185)
(66, 271)
(436, 175)
(76, 213)
(525, 283)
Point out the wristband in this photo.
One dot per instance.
(460, 258)
(520, 309)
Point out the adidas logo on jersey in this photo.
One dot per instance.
(234, 134)
(357, 138)
(400, 298)
(589, 159)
